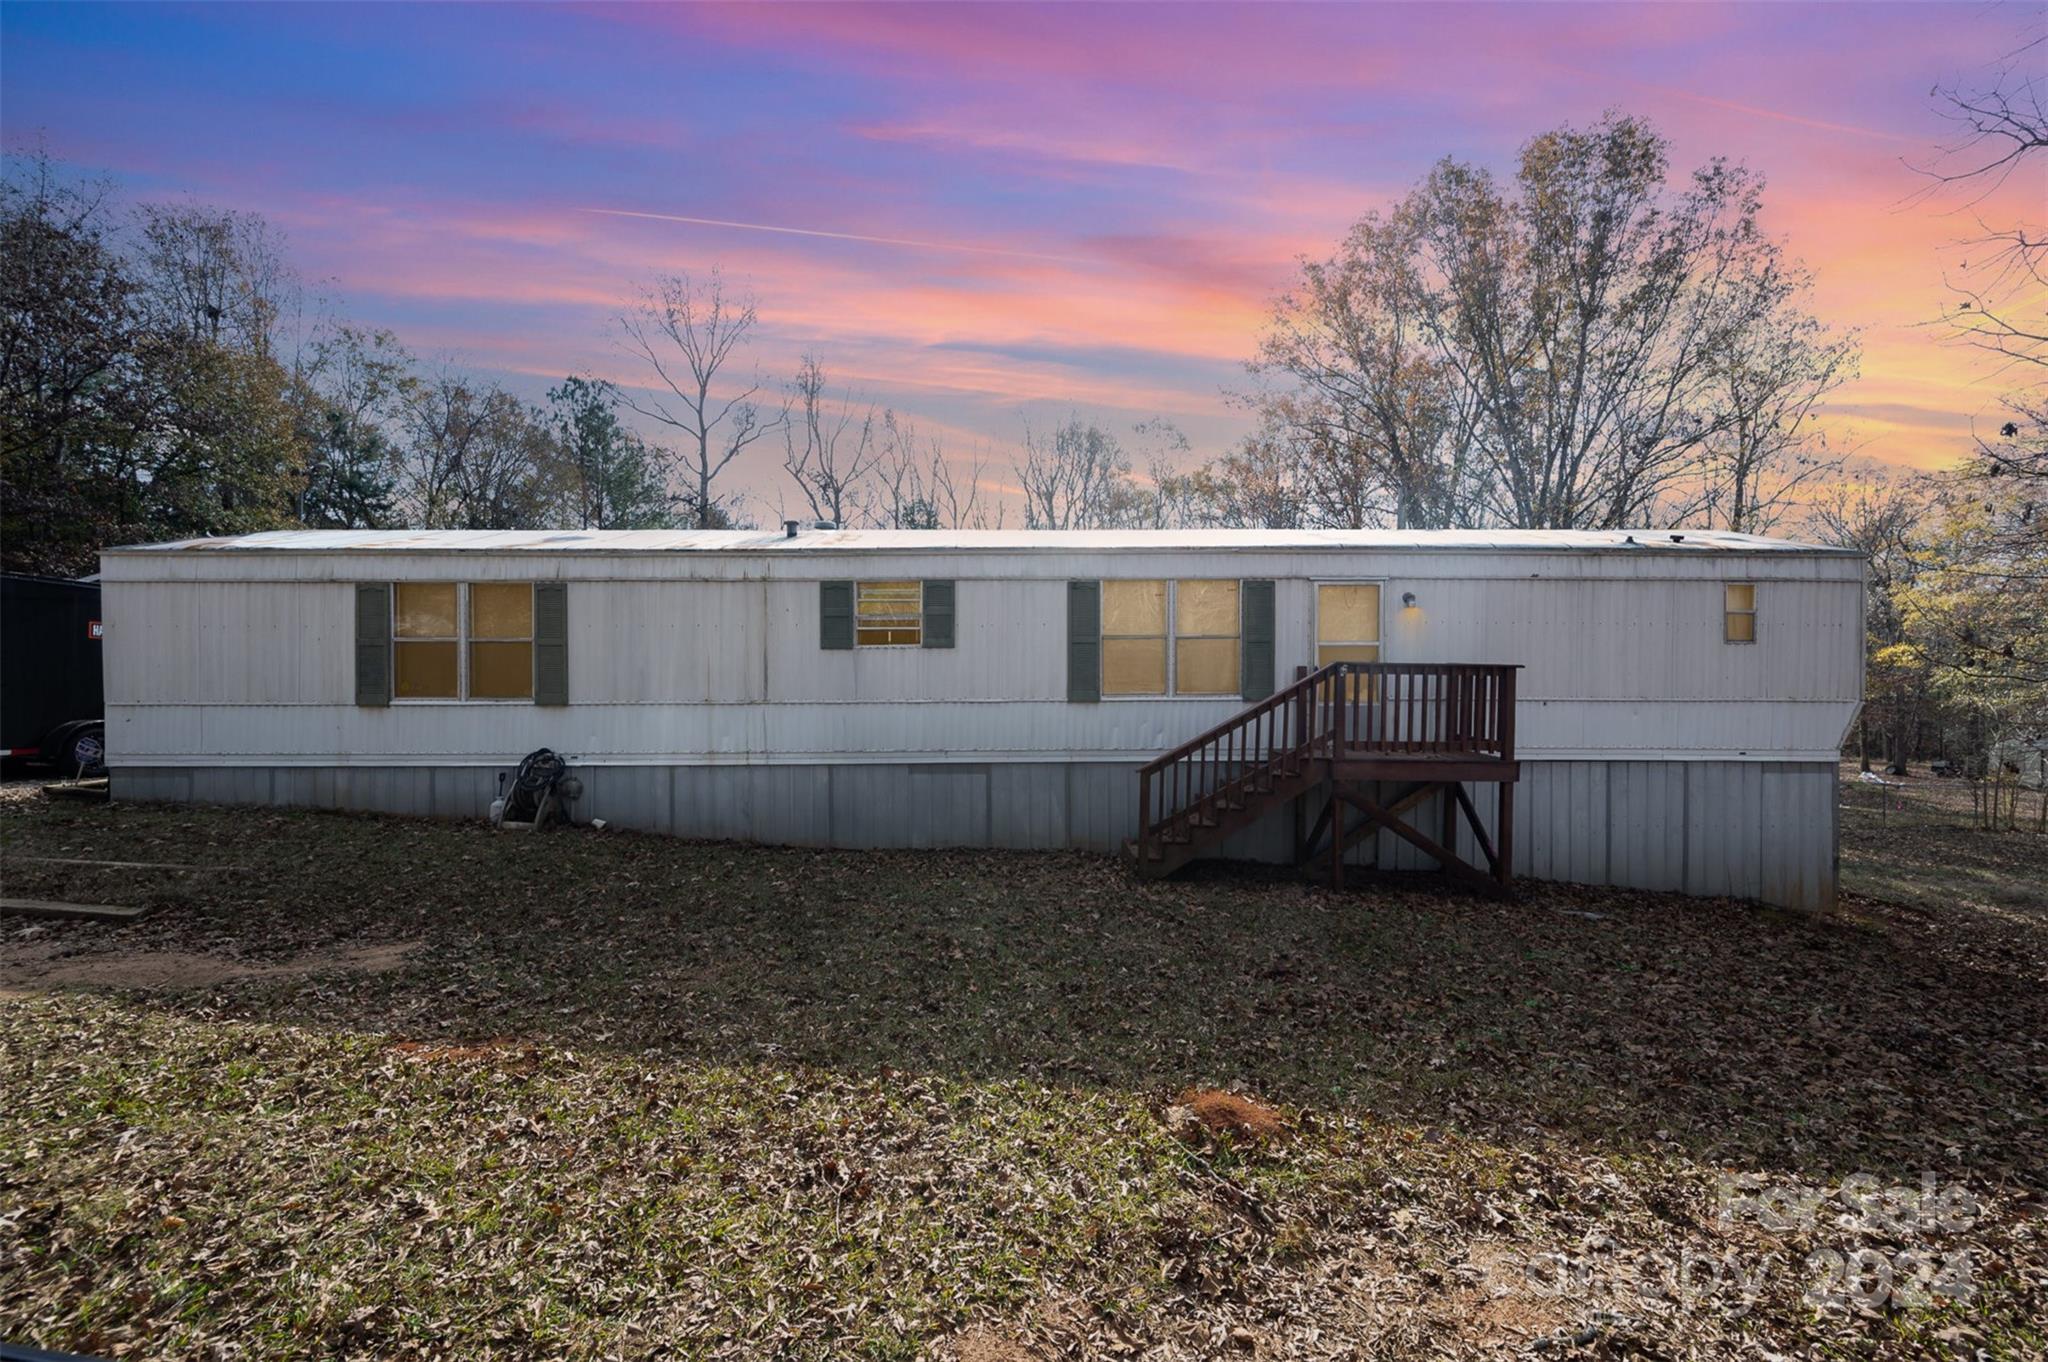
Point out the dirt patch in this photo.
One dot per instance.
(33, 966)
(1215, 1112)
(983, 1344)
(506, 1052)
(1502, 1304)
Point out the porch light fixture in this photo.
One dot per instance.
(1407, 600)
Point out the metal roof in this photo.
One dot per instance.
(1008, 541)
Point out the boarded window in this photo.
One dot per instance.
(1738, 612)
(501, 641)
(1177, 638)
(426, 649)
(451, 641)
(888, 614)
(1347, 622)
(1134, 638)
(1205, 624)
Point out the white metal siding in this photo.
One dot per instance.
(1745, 829)
(222, 657)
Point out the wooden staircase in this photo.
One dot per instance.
(1336, 732)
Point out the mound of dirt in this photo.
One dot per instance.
(1217, 1112)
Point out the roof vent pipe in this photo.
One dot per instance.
(789, 529)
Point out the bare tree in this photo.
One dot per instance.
(2002, 127)
(688, 333)
(1260, 484)
(919, 487)
(832, 446)
(2019, 454)
(1378, 418)
(1577, 310)
(1986, 609)
(217, 277)
(1166, 496)
(1770, 370)
(1076, 477)
(1567, 348)
(1880, 519)
(475, 458)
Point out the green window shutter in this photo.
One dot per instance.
(1255, 643)
(373, 643)
(1084, 640)
(551, 643)
(938, 614)
(835, 615)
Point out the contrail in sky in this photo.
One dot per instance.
(1758, 110)
(837, 236)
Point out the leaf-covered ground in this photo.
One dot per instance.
(374, 1087)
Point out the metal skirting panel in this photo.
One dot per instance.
(1754, 830)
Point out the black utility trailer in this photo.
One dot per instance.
(51, 702)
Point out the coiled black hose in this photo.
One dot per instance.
(536, 778)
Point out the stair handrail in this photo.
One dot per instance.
(1305, 730)
(1243, 717)
(1323, 714)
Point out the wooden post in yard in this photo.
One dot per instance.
(1336, 838)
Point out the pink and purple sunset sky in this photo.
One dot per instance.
(983, 215)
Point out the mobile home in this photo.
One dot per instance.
(1643, 708)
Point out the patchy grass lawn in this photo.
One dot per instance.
(387, 1088)
(1915, 840)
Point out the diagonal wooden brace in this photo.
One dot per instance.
(1387, 816)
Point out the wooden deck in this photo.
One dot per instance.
(1333, 737)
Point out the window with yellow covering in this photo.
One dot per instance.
(452, 641)
(888, 614)
(1178, 638)
(1205, 629)
(426, 641)
(501, 641)
(1347, 622)
(1738, 612)
(1134, 638)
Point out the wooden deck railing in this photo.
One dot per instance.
(1349, 709)
(1426, 709)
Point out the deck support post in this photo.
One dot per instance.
(1505, 821)
(1391, 817)
(1351, 730)
(1336, 839)
(1450, 818)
